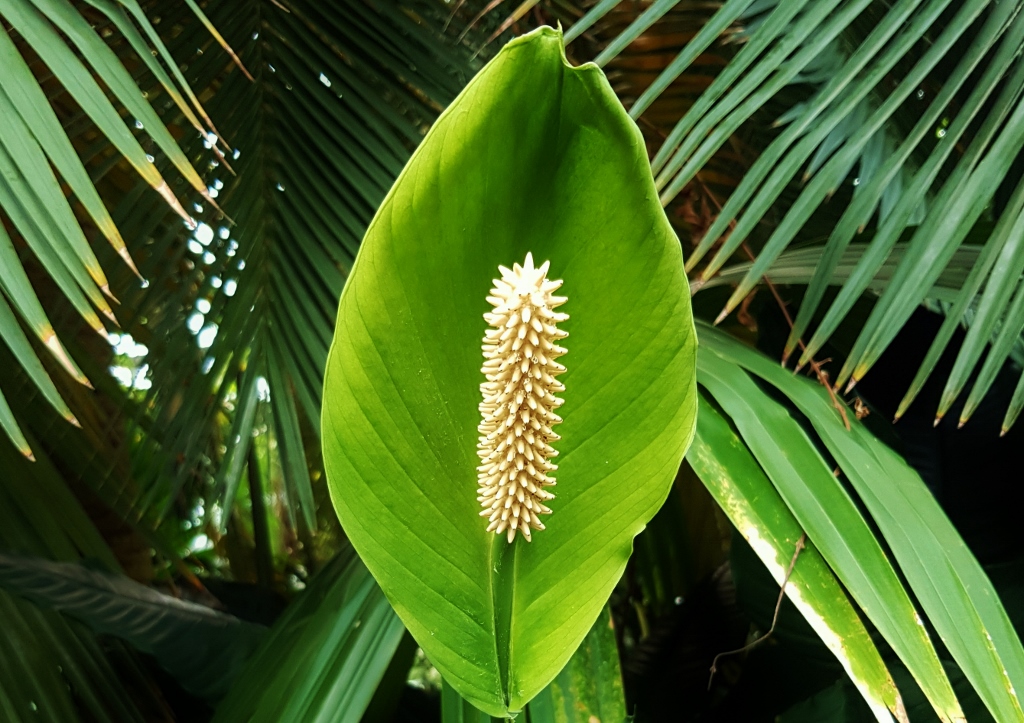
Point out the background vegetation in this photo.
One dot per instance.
(844, 176)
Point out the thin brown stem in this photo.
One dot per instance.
(800, 544)
(816, 367)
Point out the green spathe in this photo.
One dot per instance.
(534, 155)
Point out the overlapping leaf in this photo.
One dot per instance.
(947, 580)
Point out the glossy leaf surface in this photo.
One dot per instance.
(534, 156)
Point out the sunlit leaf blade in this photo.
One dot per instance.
(534, 156)
(73, 75)
(833, 523)
(27, 98)
(15, 284)
(740, 487)
(950, 585)
(11, 428)
(589, 686)
(103, 60)
(323, 657)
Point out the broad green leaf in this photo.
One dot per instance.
(589, 687)
(949, 583)
(202, 648)
(534, 156)
(323, 657)
(823, 507)
(739, 485)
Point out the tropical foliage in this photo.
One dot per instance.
(183, 194)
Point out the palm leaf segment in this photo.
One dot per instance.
(912, 123)
(50, 48)
(316, 138)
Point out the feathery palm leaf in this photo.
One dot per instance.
(50, 48)
(913, 106)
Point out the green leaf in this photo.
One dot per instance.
(825, 182)
(104, 62)
(29, 101)
(949, 583)
(78, 81)
(834, 524)
(202, 648)
(739, 485)
(534, 156)
(323, 657)
(10, 426)
(590, 686)
(456, 709)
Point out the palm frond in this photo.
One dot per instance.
(865, 70)
(62, 46)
